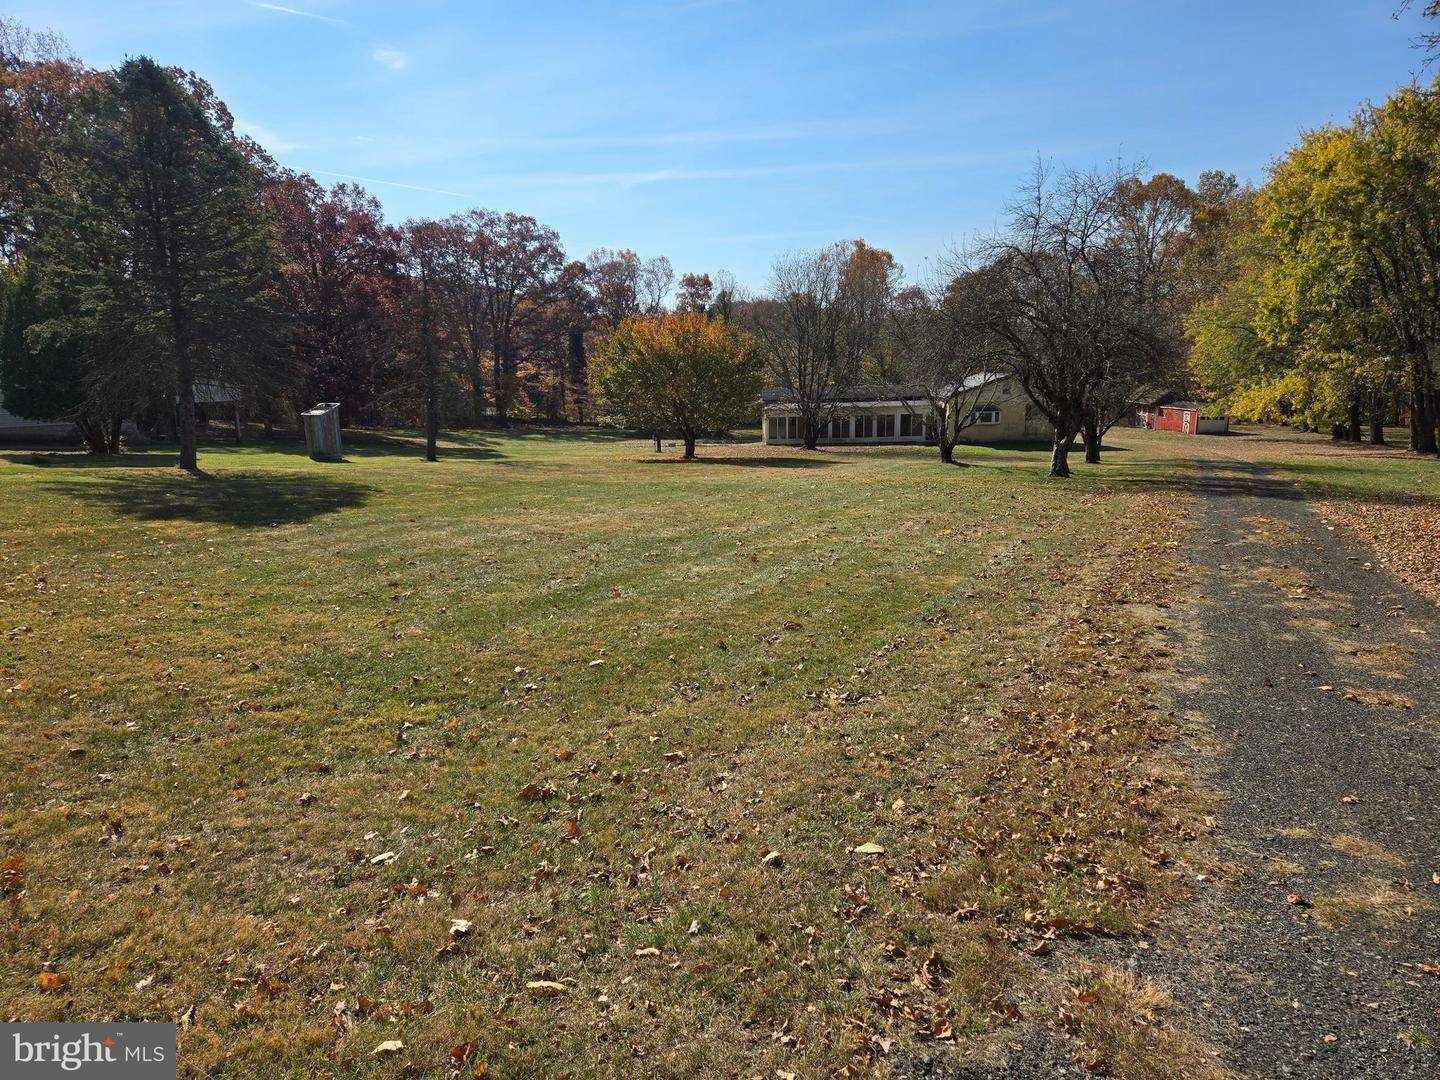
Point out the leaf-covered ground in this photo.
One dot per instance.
(558, 758)
(1388, 496)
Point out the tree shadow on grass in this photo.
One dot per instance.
(246, 501)
(742, 462)
(81, 459)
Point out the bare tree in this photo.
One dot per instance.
(1428, 39)
(727, 293)
(1152, 226)
(1068, 296)
(825, 313)
(657, 278)
(939, 352)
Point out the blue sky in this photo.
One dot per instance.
(723, 132)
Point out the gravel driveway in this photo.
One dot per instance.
(1318, 675)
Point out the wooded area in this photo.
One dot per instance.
(151, 252)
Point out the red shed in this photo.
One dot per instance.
(1183, 416)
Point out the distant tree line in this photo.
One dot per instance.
(150, 255)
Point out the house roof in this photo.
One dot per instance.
(777, 395)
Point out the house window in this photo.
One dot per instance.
(990, 414)
(792, 426)
(838, 428)
(885, 426)
(774, 423)
(912, 426)
(864, 426)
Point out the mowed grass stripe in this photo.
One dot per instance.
(331, 683)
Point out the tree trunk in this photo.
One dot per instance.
(1337, 432)
(477, 393)
(93, 434)
(502, 406)
(947, 452)
(237, 424)
(112, 436)
(689, 446)
(811, 434)
(430, 373)
(1352, 425)
(185, 413)
(1422, 406)
(1090, 432)
(1060, 455)
(657, 440)
(1377, 423)
(432, 427)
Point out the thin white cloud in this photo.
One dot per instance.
(684, 7)
(394, 59)
(387, 183)
(276, 144)
(841, 128)
(748, 172)
(283, 10)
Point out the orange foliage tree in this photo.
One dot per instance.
(683, 373)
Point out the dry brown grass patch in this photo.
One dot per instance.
(1360, 848)
(1386, 699)
(1376, 899)
(1122, 1023)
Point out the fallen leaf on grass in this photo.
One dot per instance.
(1351, 799)
(870, 848)
(545, 987)
(53, 981)
(460, 927)
(389, 1046)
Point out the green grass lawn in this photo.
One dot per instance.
(268, 735)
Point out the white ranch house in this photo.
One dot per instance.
(995, 407)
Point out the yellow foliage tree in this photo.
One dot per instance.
(682, 373)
